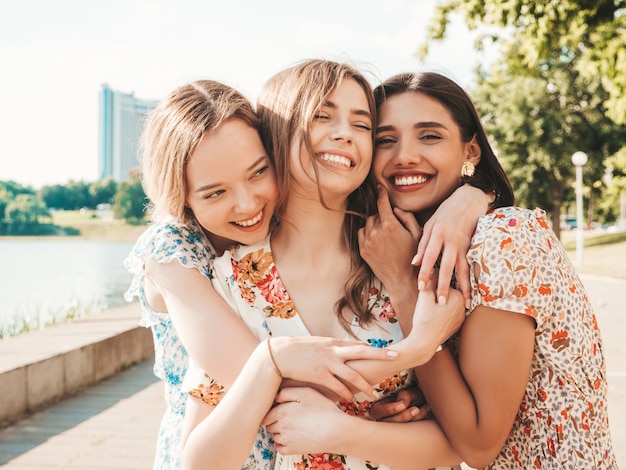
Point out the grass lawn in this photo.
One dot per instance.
(604, 254)
(98, 225)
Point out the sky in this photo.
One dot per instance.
(56, 54)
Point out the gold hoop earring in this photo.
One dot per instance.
(468, 169)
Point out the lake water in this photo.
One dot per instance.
(38, 276)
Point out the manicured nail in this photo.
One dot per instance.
(420, 286)
(441, 301)
(415, 411)
(414, 260)
(392, 353)
(468, 304)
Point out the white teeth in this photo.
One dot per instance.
(337, 159)
(250, 222)
(408, 180)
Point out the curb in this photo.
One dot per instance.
(40, 367)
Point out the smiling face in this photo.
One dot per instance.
(419, 152)
(341, 140)
(231, 185)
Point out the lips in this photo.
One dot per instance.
(337, 160)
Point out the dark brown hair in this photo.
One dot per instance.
(489, 175)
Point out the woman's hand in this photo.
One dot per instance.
(322, 361)
(447, 234)
(388, 241)
(304, 422)
(387, 244)
(434, 323)
(407, 405)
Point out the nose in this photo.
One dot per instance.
(341, 131)
(245, 200)
(408, 153)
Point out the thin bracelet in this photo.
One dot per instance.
(269, 349)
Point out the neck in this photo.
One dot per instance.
(310, 230)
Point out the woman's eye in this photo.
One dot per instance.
(214, 194)
(320, 116)
(363, 126)
(384, 140)
(430, 136)
(261, 171)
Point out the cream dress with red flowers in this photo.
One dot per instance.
(519, 265)
(260, 298)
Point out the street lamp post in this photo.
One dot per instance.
(579, 159)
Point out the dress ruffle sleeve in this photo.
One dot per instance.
(515, 261)
(163, 243)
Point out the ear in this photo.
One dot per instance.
(472, 150)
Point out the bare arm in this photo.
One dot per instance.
(307, 422)
(208, 438)
(447, 234)
(471, 401)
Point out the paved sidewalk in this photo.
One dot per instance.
(114, 425)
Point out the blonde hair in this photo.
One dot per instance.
(286, 106)
(172, 132)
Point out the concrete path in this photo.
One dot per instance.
(114, 425)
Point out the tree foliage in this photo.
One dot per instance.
(130, 200)
(538, 121)
(591, 34)
(102, 192)
(23, 213)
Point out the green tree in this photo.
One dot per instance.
(9, 190)
(537, 122)
(103, 191)
(591, 34)
(130, 201)
(24, 213)
(55, 196)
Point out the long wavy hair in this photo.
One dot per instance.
(489, 175)
(171, 134)
(286, 107)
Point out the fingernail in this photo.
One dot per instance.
(468, 304)
(420, 286)
(415, 411)
(414, 260)
(441, 301)
(399, 407)
(392, 353)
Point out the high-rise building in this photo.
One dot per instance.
(121, 123)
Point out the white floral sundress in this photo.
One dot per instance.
(519, 265)
(264, 304)
(164, 243)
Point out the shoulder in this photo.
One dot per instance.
(507, 228)
(515, 259)
(164, 242)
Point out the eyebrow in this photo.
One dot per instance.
(357, 111)
(251, 167)
(417, 125)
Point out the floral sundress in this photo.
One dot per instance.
(265, 305)
(519, 265)
(163, 243)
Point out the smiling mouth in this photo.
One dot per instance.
(250, 222)
(409, 180)
(336, 159)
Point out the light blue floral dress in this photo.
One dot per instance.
(190, 247)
